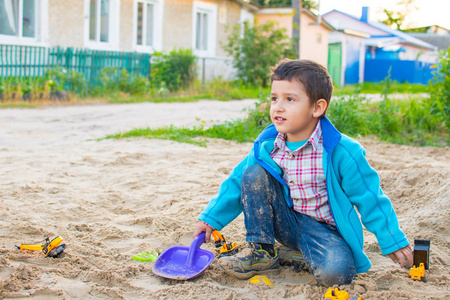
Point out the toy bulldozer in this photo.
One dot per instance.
(337, 294)
(225, 248)
(421, 259)
(418, 273)
(50, 248)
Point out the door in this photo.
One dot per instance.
(335, 62)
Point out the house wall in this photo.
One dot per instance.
(177, 33)
(314, 38)
(229, 14)
(282, 21)
(66, 23)
(177, 28)
(415, 53)
(126, 25)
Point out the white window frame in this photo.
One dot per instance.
(113, 27)
(211, 11)
(40, 27)
(158, 9)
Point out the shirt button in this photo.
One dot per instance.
(291, 182)
(292, 156)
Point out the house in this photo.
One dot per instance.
(314, 30)
(434, 35)
(143, 26)
(371, 51)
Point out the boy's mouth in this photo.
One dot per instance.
(279, 119)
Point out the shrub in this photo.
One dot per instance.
(59, 79)
(114, 80)
(260, 46)
(174, 71)
(440, 89)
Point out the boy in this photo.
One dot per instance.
(300, 185)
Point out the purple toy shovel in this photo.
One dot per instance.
(182, 262)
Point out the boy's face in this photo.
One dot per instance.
(291, 111)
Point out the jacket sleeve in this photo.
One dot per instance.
(226, 205)
(361, 184)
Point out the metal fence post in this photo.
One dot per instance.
(203, 71)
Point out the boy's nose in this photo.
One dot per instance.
(278, 106)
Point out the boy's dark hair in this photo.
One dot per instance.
(314, 77)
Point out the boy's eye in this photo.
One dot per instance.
(274, 98)
(290, 99)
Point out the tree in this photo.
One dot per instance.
(396, 19)
(261, 47)
(308, 4)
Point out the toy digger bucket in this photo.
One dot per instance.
(182, 262)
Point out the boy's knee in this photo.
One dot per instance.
(254, 173)
(340, 273)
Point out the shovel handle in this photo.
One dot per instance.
(196, 243)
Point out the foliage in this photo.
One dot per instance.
(114, 80)
(377, 88)
(440, 88)
(216, 89)
(260, 46)
(174, 71)
(309, 4)
(412, 121)
(396, 19)
(59, 79)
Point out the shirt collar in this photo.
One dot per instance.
(280, 141)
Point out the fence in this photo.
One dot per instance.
(376, 70)
(210, 68)
(29, 61)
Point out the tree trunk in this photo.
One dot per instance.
(297, 6)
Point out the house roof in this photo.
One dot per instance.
(380, 34)
(440, 41)
(290, 10)
(253, 6)
(427, 29)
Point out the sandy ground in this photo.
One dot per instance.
(112, 199)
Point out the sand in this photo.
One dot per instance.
(112, 199)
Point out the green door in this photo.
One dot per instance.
(334, 62)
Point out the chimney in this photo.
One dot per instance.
(365, 14)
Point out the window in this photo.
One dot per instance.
(145, 24)
(99, 20)
(205, 24)
(147, 34)
(18, 18)
(102, 24)
(201, 31)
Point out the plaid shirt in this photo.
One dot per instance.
(305, 176)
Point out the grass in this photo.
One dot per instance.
(216, 90)
(377, 88)
(411, 121)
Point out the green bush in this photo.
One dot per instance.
(174, 70)
(409, 121)
(114, 80)
(260, 46)
(440, 89)
(60, 79)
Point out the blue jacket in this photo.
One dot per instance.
(351, 183)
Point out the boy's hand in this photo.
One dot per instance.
(403, 256)
(203, 227)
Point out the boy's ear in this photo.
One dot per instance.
(319, 108)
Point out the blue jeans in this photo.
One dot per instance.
(268, 217)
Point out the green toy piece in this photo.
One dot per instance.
(146, 256)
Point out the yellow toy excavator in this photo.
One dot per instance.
(50, 248)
